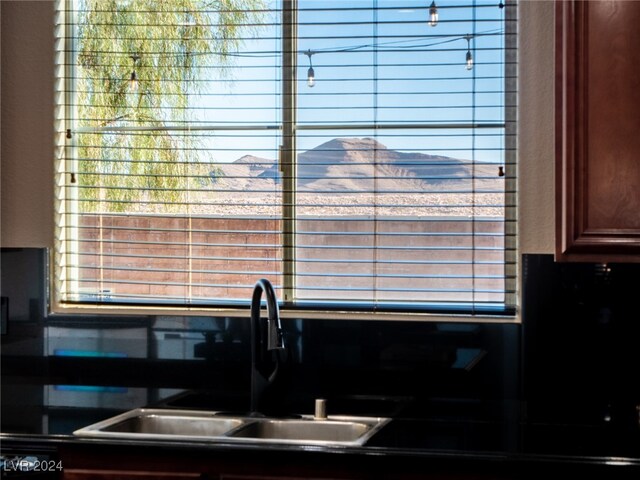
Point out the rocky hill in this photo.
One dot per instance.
(351, 165)
(355, 177)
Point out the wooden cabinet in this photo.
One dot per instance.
(136, 462)
(598, 131)
(111, 462)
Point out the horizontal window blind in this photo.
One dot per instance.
(359, 154)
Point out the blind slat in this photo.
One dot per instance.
(187, 170)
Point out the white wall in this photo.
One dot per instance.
(27, 119)
(536, 127)
(27, 124)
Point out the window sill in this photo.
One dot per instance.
(240, 312)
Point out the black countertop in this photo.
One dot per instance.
(484, 434)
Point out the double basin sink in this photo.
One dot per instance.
(211, 426)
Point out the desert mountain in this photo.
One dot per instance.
(350, 164)
(346, 165)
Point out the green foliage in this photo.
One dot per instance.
(167, 43)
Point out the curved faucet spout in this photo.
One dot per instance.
(266, 340)
(274, 329)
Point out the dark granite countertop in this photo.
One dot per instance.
(485, 433)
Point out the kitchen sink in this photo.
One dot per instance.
(210, 426)
(148, 423)
(353, 432)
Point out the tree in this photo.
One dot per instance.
(139, 64)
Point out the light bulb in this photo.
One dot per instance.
(469, 65)
(311, 77)
(133, 82)
(433, 14)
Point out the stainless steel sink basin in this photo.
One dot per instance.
(161, 424)
(330, 431)
(158, 424)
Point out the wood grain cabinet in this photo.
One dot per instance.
(116, 463)
(102, 462)
(598, 130)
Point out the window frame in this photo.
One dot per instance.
(289, 127)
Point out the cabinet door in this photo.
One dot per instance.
(598, 130)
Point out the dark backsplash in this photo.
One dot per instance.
(581, 332)
(580, 328)
(327, 358)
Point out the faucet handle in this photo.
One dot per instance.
(276, 339)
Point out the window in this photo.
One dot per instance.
(359, 154)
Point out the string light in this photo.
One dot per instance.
(433, 14)
(133, 81)
(311, 80)
(469, 58)
(311, 75)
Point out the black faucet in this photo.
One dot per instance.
(266, 342)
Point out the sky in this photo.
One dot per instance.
(420, 79)
(376, 63)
